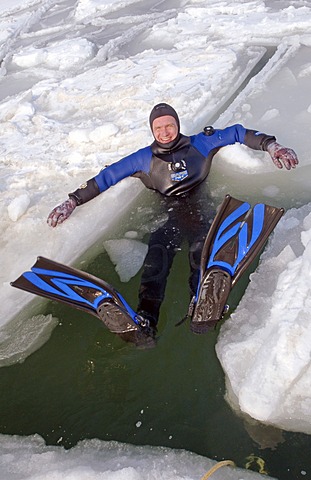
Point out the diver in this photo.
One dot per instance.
(176, 166)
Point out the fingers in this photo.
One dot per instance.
(288, 157)
(277, 163)
(282, 156)
(55, 218)
(59, 214)
(292, 159)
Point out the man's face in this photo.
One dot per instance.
(165, 129)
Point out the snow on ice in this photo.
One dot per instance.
(78, 80)
(29, 458)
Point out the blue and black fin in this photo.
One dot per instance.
(236, 237)
(83, 291)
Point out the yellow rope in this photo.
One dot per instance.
(224, 463)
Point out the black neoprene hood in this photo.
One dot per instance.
(162, 109)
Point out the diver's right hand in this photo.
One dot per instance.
(62, 212)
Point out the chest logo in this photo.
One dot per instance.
(179, 170)
(178, 176)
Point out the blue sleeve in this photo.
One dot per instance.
(227, 136)
(127, 166)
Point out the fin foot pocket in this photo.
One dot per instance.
(118, 321)
(211, 303)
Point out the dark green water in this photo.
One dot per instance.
(86, 383)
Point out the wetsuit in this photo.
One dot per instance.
(178, 173)
(155, 165)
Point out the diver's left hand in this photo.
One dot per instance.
(282, 156)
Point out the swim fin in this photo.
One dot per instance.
(237, 235)
(85, 292)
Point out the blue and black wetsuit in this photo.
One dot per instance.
(156, 165)
(177, 172)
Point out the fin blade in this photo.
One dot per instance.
(270, 218)
(56, 281)
(237, 236)
(74, 287)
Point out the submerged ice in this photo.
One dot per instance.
(78, 81)
(128, 255)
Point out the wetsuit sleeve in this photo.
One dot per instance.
(206, 143)
(251, 138)
(257, 140)
(85, 192)
(210, 143)
(109, 176)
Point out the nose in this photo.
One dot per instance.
(165, 130)
(162, 129)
